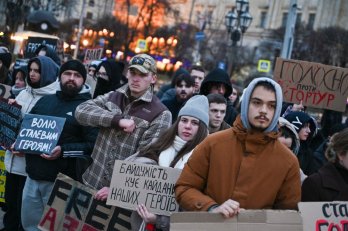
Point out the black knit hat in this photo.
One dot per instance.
(299, 119)
(74, 65)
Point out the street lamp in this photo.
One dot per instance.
(238, 21)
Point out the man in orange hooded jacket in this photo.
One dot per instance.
(244, 166)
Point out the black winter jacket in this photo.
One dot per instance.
(74, 137)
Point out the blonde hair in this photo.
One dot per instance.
(338, 145)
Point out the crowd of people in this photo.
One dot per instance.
(237, 149)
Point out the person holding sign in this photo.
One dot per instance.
(245, 166)
(330, 183)
(129, 118)
(75, 141)
(42, 76)
(173, 149)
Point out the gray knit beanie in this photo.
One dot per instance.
(197, 106)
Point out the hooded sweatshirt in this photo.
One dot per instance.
(220, 76)
(246, 98)
(116, 79)
(245, 165)
(28, 98)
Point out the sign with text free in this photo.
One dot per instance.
(324, 216)
(72, 206)
(92, 54)
(10, 116)
(39, 134)
(317, 85)
(152, 185)
(34, 42)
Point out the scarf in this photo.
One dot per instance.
(167, 156)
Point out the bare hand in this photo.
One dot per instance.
(11, 101)
(147, 216)
(228, 209)
(14, 152)
(55, 154)
(128, 125)
(102, 194)
(297, 107)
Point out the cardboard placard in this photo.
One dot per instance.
(5, 91)
(2, 175)
(10, 122)
(246, 220)
(34, 42)
(92, 54)
(317, 85)
(39, 134)
(324, 216)
(72, 206)
(151, 185)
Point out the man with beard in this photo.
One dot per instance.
(184, 88)
(244, 166)
(75, 139)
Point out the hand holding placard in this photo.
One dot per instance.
(39, 134)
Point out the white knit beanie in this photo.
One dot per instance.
(198, 107)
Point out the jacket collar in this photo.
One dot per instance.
(252, 140)
(329, 172)
(147, 96)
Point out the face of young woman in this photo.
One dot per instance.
(188, 127)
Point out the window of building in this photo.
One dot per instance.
(89, 15)
(298, 19)
(263, 18)
(311, 19)
(284, 19)
(91, 3)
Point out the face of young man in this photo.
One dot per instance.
(139, 82)
(183, 91)
(217, 112)
(188, 127)
(198, 76)
(304, 132)
(71, 82)
(34, 73)
(261, 108)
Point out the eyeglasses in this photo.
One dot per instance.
(137, 61)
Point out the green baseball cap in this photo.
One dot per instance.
(143, 63)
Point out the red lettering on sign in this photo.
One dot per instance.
(87, 227)
(70, 224)
(50, 216)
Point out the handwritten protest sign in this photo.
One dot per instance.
(39, 134)
(9, 122)
(72, 206)
(5, 91)
(317, 85)
(2, 175)
(92, 54)
(34, 42)
(151, 185)
(324, 216)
